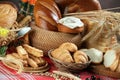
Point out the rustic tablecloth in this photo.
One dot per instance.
(10, 74)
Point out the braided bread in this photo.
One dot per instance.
(46, 14)
(78, 5)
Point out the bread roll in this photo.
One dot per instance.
(80, 57)
(95, 55)
(62, 55)
(8, 15)
(46, 14)
(111, 59)
(69, 46)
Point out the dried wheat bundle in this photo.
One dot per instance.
(101, 27)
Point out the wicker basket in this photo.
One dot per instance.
(46, 40)
(68, 67)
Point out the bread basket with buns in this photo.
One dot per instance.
(68, 58)
(45, 32)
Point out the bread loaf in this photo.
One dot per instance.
(8, 15)
(78, 5)
(111, 60)
(95, 55)
(118, 67)
(70, 25)
(114, 65)
(46, 14)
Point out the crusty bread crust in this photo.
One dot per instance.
(33, 51)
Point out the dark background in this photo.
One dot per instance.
(104, 3)
(109, 3)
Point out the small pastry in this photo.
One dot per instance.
(69, 46)
(62, 55)
(80, 57)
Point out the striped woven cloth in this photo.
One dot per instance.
(10, 74)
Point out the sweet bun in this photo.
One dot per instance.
(62, 55)
(80, 57)
(71, 47)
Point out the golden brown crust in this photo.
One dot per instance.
(32, 63)
(114, 65)
(33, 51)
(22, 52)
(63, 28)
(62, 55)
(78, 5)
(37, 60)
(69, 46)
(16, 55)
(118, 67)
(46, 14)
(80, 57)
(8, 15)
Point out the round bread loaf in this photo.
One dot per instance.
(8, 15)
(78, 5)
(46, 14)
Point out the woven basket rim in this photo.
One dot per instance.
(64, 63)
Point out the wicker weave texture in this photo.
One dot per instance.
(46, 40)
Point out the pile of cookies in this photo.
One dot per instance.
(31, 58)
